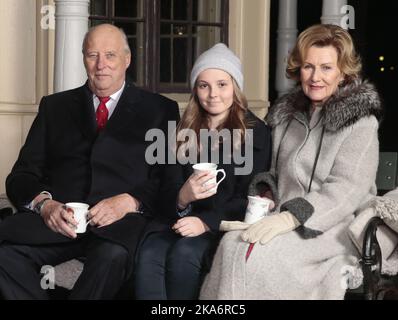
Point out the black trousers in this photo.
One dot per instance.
(106, 267)
(169, 266)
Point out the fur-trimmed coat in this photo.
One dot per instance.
(308, 263)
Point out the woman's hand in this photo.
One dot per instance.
(195, 188)
(190, 227)
(269, 227)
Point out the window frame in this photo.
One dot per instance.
(151, 39)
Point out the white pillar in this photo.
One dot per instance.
(287, 35)
(71, 24)
(333, 12)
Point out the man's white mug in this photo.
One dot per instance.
(206, 166)
(80, 214)
(257, 209)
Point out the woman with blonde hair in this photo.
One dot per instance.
(178, 249)
(325, 157)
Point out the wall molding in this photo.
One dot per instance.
(18, 109)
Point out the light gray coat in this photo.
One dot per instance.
(309, 262)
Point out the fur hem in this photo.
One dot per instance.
(302, 210)
(386, 208)
(308, 233)
(263, 182)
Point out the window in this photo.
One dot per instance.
(165, 36)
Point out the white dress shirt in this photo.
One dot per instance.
(111, 104)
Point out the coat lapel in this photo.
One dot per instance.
(125, 109)
(84, 116)
(83, 112)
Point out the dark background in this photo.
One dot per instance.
(375, 34)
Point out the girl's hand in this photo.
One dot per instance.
(195, 188)
(190, 227)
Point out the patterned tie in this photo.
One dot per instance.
(102, 113)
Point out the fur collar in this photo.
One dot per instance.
(349, 104)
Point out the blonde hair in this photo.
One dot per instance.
(195, 118)
(322, 35)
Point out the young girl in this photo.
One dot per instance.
(177, 252)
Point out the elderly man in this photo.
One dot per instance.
(85, 145)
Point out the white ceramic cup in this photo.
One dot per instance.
(257, 209)
(206, 166)
(80, 212)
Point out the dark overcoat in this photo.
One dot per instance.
(63, 154)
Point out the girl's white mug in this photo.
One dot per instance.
(206, 166)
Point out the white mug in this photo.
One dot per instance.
(80, 212)
(257, 209)
(206, 166)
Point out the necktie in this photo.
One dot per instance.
(102, 113)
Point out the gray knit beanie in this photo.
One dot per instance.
(218, 57)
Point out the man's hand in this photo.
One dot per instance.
(269, 227)
(190, 227)
(58, 218)
(112, 209)
(194, 188)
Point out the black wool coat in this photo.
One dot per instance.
(63, 154)
(230, 201)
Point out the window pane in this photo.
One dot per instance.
(132, 73)
(180, 60)
(207, 11)
(128, 28)
(174, 53)
(165, 28)
(180, 10)
(180, 29)
(97, 22)
(135, 37)
(165, 9)
(128, 8)
(98, 7)
(165, 60)
(204, 37)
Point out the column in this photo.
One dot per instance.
(332, 12)
(71, 24)
(287, 34)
